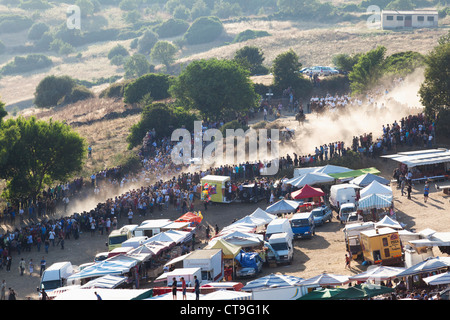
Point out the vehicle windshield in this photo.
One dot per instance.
(353, 217)
(51, 285)
(318, 213)
(279, 246)
(117, 239)
(347, 210)
(300, 223)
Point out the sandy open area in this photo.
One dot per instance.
(324, 253)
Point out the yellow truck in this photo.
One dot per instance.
(382, 246)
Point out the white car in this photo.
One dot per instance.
(321, 70)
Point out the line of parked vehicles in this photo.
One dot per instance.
(320, 70)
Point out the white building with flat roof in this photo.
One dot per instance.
(393, 19)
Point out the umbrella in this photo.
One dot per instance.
(362, 291)
(437, 279)
(283, 206)
(428, 265)
(272, 280)
(378, 272)
(321, 294)
(326, 279)
(375, 201)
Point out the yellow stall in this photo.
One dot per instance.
(382, 246)
(213, 188)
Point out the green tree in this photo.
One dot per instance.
(164, 52)
(203, 30)
(345, 62)
(401, 5)
(157, 85)
(37, 30)
(137, 65)
(286, 74)
(35, 153)
(118, 50)
(217, 88)
(367, 71)
(146, 42)
(435, 90)
(87, 8)
(52, 89)
(252, 57)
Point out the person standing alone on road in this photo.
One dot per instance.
(426, 191)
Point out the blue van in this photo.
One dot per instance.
(302, 225)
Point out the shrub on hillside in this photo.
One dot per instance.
(34, 5)
(203, 30)
(171, 28)
(250, 34)
(26, 64)
(118, 50)
(115, 90)
(78, 93)
(157, 85)
(52, 90)
(146, 42)
(10, 23)
(37, 30)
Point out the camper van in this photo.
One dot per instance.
(117, 237)
(303, 225)
(340, 194)
(382, 246)
(279, 226)
(56, 276)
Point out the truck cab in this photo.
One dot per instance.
(345, 210)
(56, 276)
(281, 249)
(303, 225)
(117, 237)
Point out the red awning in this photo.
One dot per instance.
(307, 192)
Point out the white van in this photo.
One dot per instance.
(340, 194)
(278, 226)
(56, 276)
(281, 243)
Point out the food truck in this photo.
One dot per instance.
(214, 188)
(382, 246)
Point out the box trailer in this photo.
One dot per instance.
(210, 261)
(382, 246)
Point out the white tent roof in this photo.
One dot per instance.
(329, 168)
(118, 266)
(283, 206)
(435, 239)
(366, 179)
(311, 178)
(298, 172)
(375, 201)
(108, 282)
(376, 188)
(272, 280)
(381, 273)
(105, 294)
(388, 222)
(438, 279)
(243, 239)
(430, 264)
(261, 214)
(422, 157)
(169, 236)
(252, 221)
(227, 295)
(326, 279)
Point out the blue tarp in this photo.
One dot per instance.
(248, 259)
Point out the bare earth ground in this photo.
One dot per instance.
(324, 253)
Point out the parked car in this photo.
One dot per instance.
(252, 193)
(322, 214)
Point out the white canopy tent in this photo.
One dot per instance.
(367, 179)
(375, 201)
(326, 279)
(261, 214)
(428, 265)
(376, 188)
(311, 178)
(377, 273)
(105, 294)
(283, 206)
(421, 157)
(272, 280)
(388, 222)
(243, 239)
(438, 279)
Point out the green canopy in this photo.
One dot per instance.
(321, 294)
(362, 291)
(354, 173)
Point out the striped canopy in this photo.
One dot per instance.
(375, 201)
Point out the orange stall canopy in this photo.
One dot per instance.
(190, 217)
